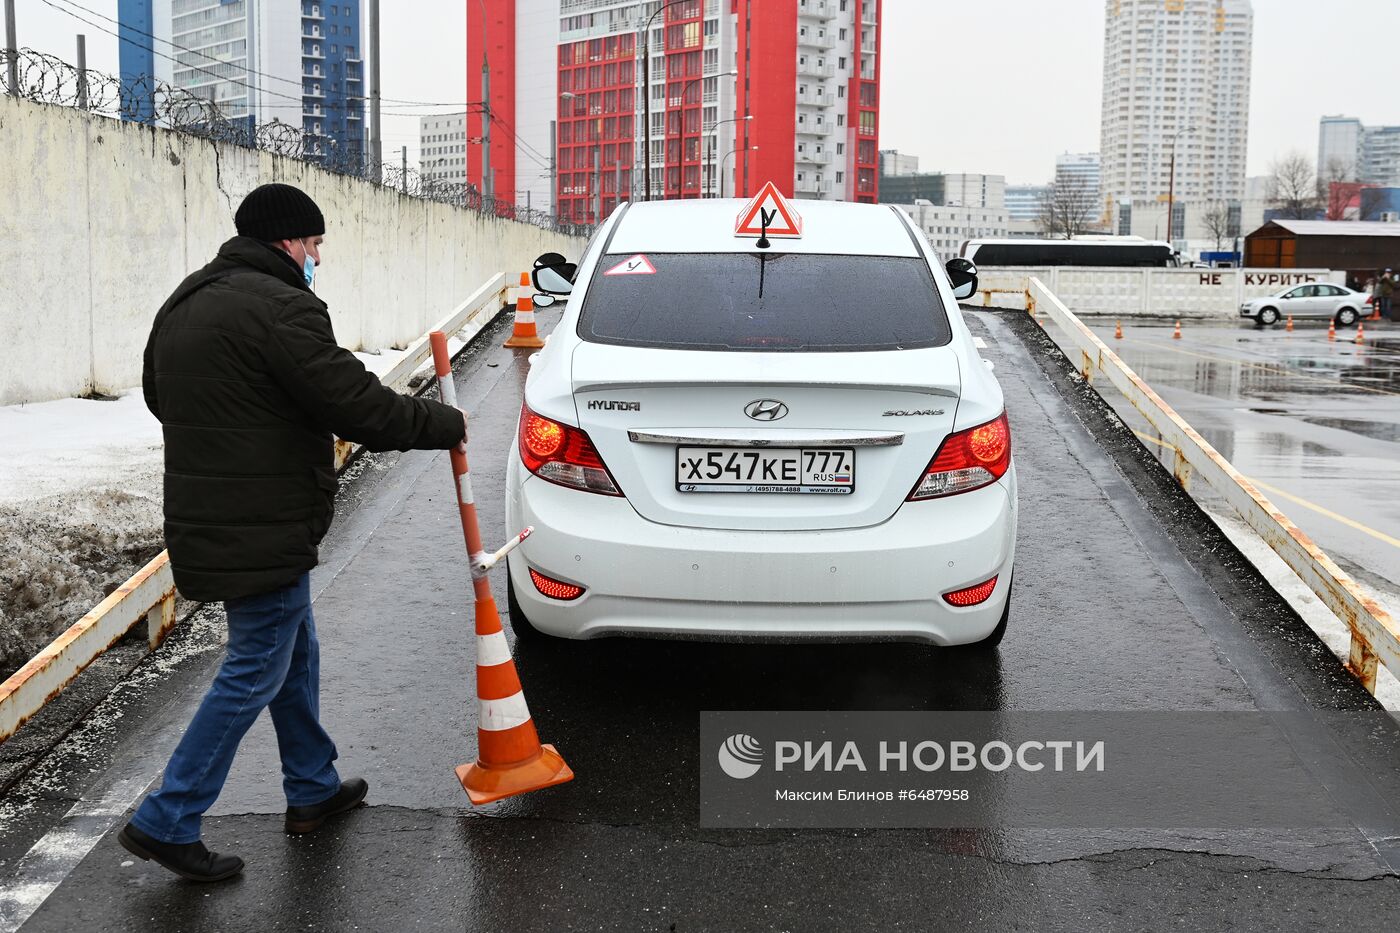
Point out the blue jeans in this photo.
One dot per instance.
(273, 660)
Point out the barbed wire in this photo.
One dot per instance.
(48, 79)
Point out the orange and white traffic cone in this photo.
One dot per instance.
(1331, 330)
(1118, 330)
(1360, 332)
(1176, 334)
(510, 759)
(1376, 314)
(524, 334)
(1289, 326)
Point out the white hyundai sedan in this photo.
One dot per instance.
(740, 436)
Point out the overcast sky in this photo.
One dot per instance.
(994, 86)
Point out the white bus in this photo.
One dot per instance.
(1080, 251)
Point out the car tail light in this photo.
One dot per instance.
(968, 597)
(562, 454)
(555, 589)
(967, 460)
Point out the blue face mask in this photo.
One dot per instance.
(308, 266)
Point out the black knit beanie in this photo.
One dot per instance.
(278, 212)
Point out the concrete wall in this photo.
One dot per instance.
(102, 219)
(1188, 293)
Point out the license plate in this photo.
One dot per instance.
(820, 470)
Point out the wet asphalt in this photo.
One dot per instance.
(1126, 598)
(1315, 422)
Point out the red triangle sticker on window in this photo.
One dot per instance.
(634, 265)
(769, 205)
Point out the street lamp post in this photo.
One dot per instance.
(1171, 183)
(646, 83)
(726, 159)
(709, 160)
(731, 73)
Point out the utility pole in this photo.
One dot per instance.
(12, 47)
(376, 140)
(82, 72)
(553, 171)
(488, 184)
(404, 152)
(597, 185)
(617, 180)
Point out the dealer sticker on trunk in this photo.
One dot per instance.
(820, 470)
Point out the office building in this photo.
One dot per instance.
(804, 72)
(1348, 150)
(1175, 80)
(894, 162)
(1023, 201)
(442, 147)
(949, 226)
(293, 61)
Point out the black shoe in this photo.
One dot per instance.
(188, 860)
(305, 819)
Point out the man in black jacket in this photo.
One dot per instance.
(245, 375)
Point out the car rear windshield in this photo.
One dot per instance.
(744, 301)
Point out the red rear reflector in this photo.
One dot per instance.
(968, 597)
(557, 589)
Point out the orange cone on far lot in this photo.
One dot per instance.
(524, 334)
(510, 759)
(1118, 330)
(1176, 334)
(1289, 326)
(1360, 332)
(1331, 330)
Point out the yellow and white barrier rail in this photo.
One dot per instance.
(149, 596)
(1375, 636)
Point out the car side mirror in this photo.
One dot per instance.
(962, 275)
(544, 300)
(554, 275)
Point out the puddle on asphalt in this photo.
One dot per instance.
(1375, 430)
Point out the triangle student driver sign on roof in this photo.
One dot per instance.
(768, 209)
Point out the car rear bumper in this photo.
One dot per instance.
(879, 583)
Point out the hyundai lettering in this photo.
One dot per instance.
(755, 424)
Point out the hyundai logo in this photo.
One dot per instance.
(766, 409)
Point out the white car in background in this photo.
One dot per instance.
(1313, 300)
(723, 441)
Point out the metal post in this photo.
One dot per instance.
(1171, 194)
(82, 72)
(488, 184)
(646, 101)
(405, 170)
(376, 140)
(12, 47)
(617, 181)
(709, 163)
(597, 184)
(553, 171)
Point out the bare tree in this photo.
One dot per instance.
(1216, 219)
(1066, 210)
(1293, 187)
(1337, 187)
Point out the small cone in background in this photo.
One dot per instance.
(1118, 330)
(1176, 334)
(1331, 330)
(1289, 326)
(524, 334)
(1360, 332)
(1376, 314)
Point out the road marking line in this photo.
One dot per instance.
(1297, 500)
(1268, 367)
(979, 343)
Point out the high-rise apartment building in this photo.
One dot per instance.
(442, 147)
(1348, 150)
(741, 92)
(293, 61)
(1176, 78)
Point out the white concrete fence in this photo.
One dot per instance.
(104, 218)
(1129, 292)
